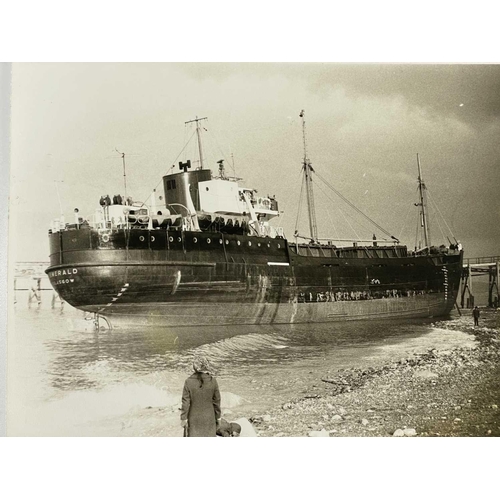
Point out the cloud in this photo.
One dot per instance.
(468, 92)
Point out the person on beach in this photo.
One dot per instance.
(200, 412)
(476, 312)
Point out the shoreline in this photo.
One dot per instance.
(452, 392)
(442, 388)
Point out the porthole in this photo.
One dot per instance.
(195, 240)
(238, 243)
(227, 242)
(279, 246)
(209, 241)
(179, 239)
(170, 239)
(220, 242)
(249, 243)
(269, 245)
(141, 238)
(152, 238)
(258, 244)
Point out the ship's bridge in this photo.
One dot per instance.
(223, 196)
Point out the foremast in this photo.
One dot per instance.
(198, 133)
(308, 170)
(424, 218)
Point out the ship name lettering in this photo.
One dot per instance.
(64, 272)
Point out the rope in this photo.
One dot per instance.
(404, 221)
(332, 223)
(343, 198)
(439, 211)
(171, 168)
(437, 221)
(300, 204)
(343, 214)
(418, 229)
(222, 152)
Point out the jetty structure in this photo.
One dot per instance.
(480, 266)
(206, 251)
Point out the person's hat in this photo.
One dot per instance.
(202, 365)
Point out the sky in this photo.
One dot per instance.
(365, 124)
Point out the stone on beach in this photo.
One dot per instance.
(409, 432)
(321, 433)
(428, 392)
(426, 374)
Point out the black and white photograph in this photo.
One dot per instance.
(254, 249)
(258, 220)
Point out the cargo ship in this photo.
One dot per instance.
(205, 251)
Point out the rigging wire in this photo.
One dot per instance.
(439, 226)
(418, 226)
(230, 163)
(341, 196)
(283, 212)
(332, 223)
(343, 214)
(170, 169)
(439, 211)
(300, 205)
(404, 220)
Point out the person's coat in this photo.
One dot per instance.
(201, 405)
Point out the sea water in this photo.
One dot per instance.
(67, 380)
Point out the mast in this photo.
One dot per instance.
(124, 174)
(308, 170)
(198, 133)
(423, 205)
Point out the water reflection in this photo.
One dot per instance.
(90, 359)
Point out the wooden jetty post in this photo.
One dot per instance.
(493, 284)
(466, 286)
(481, 266)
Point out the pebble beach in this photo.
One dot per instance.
(433, 393)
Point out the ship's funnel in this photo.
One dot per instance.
(179, 186)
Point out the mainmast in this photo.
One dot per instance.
(308, 170)
(198, 132)
(423, 205)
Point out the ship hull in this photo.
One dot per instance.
(152, 277)
(223, 314)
